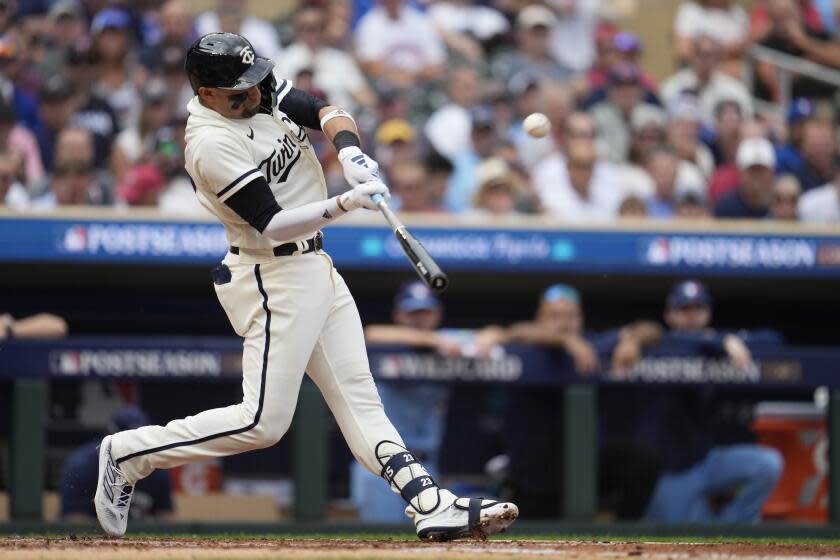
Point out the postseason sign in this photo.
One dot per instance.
(462, 248)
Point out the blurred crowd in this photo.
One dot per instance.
(93, 104)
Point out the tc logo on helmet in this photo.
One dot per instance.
(248, 56)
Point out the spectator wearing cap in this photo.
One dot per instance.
(822, 204)
(756, 161)
(17, 139)
(814, 159)
(786, 192)
(141, 186)
(66, 27)
(411, 188)
(789, 155)
(334, 71)
(117, 68)
(448, 128)
(620, 46)
(723, 21)
(133, 144)
(399, 43)
(73, 180)
(533, 53)
(483, 140)
(558, 323)
(416, 408)
(396, 142)
(580, 187)
(232, 16)
(702, 78)
(56, 109)
(92, 111)
(467, 28)
(152, 495)
(23, 101)
(613, 115)
(499, 191)
(13, 195)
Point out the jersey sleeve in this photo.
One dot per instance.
(300, 106)
(224, 165)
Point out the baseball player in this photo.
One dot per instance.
(253, 167)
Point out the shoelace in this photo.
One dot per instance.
(121, 484)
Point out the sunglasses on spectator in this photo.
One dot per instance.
(76, 168)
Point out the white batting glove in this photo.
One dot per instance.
(358, 167)
(360, 196)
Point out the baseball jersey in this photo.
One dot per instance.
(224, 155)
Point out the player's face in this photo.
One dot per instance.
(233, 104)
(562, 316)
(688, 318)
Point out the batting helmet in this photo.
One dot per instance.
(225, 60)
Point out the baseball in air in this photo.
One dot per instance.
(537, 125)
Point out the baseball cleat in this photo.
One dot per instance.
(467, 518)
(113, 493)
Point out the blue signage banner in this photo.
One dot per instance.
(457, 249)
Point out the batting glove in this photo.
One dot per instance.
(358, 167)
(360, 196)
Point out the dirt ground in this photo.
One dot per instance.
(95, 548)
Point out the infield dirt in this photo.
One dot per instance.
(95, 548)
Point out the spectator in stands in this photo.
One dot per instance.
(703, 78)
(176, 34)
(756, 161)
(448, 128)
(118, 73)
(557, 102)
(614, 114)
(177, 196)
(789, 154)
(533, 53)
(16, 138)
(417, 409)
(232, 16)
(468, 29)
(786, 191)
(788, 33)
(822, 204)
(399, 43)
(662, 165)
(396, 142)
(725, 134)
(141, 186)
(11, 90)
(483, 141)
(438, 173)
(73, 180)
(411, 188)
(816, 160)
(66, 27)
(573, 34)
(55, 112)
(558, 323)
(136, 142)
(581, 187)
(334, 71)
(41, 325)
(13, 194)
(691, 205)
(723, 21)
(632, 207)
(93, 112)
(684, 132)
(152, 495)
(499, 189)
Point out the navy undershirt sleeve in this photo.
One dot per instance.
(302, 108)
(255, 203)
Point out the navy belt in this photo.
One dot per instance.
(288, 249)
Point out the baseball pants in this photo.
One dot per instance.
(295, 314)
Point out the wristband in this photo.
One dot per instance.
(345, 139)
(334, 114)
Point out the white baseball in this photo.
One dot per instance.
(537, 125)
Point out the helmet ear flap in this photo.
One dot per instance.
(267, 88)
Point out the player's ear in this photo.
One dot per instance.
(206, 92)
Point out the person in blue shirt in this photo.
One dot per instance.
(152, 496)
(811, 154)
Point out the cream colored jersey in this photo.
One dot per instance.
(223, 155)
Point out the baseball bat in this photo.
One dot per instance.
(420, 259)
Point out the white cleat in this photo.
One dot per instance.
(113, 493)
(468, 518)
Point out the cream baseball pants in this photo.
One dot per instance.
(295, 314)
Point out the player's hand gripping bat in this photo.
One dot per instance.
(420, 259)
